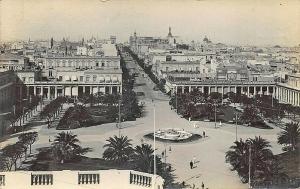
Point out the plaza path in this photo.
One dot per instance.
(210, 169)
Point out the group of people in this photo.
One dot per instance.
(202, 185)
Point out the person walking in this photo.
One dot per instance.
(191, 164)
(203, 134)
(202, 185)
(194, 159)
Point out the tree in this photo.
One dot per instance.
(143, 158)
(261, 159)
(24, 138)
(32, 137)
(118, 149)
(250, 115)
(65, 147)
(290, 136)
(215, 97)
(11, 154)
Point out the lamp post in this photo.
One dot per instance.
(249, 164)
(119, 121)
(154, 138)
(236, 130)
(215, 115)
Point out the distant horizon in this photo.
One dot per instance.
(232, 22)
(79, 40)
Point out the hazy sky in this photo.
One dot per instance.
(253, 22)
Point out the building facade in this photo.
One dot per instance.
(9, 61)
(108, 179)
(289, 92)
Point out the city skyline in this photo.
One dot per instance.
(232, 22)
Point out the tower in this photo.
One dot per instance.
(51, 43)
(170, 33)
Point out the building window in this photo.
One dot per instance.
(87, 78)
(94, 78)
(23, 79)
(41, 179)
(2, 180)
(97, 64)
(103, 64)
(81, 78)
(168, 58)
(88, 178)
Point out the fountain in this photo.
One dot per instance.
(173, 135)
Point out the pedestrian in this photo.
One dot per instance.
(191, 164)
(194, 159)
(203, 134)
(202, 185)
(183, 183)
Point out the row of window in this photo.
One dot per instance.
(88, 78)
(72, 64)
(190, 69)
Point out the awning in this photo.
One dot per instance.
(67, 78)
(101, 79)
(74, 78)
(115, 79)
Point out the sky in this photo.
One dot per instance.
(239, 22)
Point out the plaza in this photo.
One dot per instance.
(209, 152)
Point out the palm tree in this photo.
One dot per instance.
(118, 149)
(290, 136)
(143, 158)
(261, 159)
(65, 146)
(237, 156)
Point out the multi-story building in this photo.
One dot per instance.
(10, 61)
(7, 97)
(237, 79)
(108, 179)
(289, 92)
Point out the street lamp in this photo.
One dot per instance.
(119, 119)
(215, 115)
(249, 164)
(154, 140)
(236, 129)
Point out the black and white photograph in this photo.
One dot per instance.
(149, 94)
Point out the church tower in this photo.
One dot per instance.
(170, 32)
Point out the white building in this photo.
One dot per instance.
(289, 92)
(108, 179)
